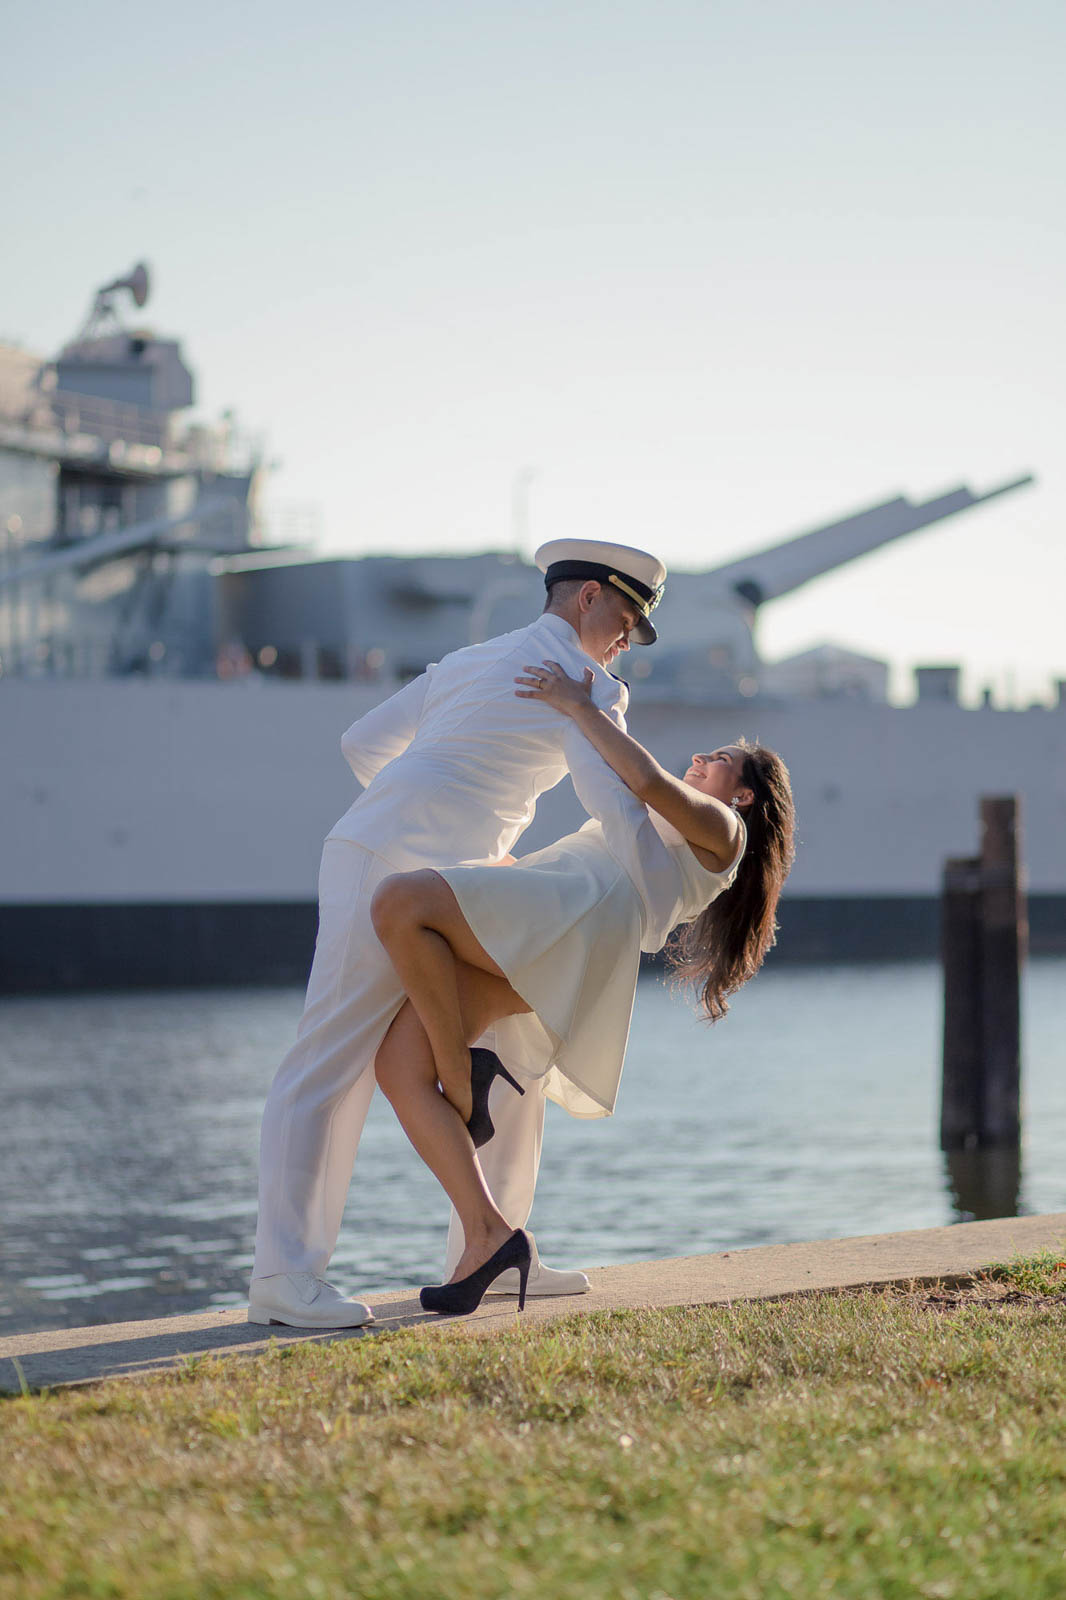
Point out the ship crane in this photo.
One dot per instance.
(103, 318)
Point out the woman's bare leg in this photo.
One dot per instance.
(417, 918)
(407, 1074)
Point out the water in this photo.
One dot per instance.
(130, 1124)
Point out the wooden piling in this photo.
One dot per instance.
(960, 1104)
(985, 1183)
(983, 942)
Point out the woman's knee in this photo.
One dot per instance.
(395, 903)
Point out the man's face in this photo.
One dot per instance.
(607, 617)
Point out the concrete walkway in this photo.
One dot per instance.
(128, 1349)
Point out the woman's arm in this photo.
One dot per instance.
(699, 818)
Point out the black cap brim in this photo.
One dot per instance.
(644, 632)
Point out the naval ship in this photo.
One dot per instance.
(174, 688)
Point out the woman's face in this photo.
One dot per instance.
(720, 773)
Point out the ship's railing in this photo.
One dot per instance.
(60, 410)
(109, 420)
(133, 435)
(290, 524)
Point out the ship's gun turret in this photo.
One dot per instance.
(706, 641)
(777, 570)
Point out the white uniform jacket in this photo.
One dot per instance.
(454, 762)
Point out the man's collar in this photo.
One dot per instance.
(564, 629)
(558, 625)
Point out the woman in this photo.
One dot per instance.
(548, 951)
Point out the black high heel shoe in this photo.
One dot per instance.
(485, 1065)
(459, 1299)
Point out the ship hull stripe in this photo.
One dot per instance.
(136, 946)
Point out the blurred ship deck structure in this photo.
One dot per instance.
(174, 688)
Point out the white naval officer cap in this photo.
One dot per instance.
(637, 573)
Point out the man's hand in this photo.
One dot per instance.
(554, 687)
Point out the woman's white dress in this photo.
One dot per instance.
(567, 925)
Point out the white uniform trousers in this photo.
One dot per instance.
(320, 1096)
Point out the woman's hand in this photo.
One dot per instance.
(554, 687)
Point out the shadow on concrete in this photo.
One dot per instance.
(924, 1255)
(88, 1355)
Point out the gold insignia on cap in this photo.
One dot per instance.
(646, 606)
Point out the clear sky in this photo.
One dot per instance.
(700, 275)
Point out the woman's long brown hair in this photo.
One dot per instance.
(726, 944)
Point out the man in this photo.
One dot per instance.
(452, 766)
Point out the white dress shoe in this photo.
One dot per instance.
(300, 1300)
(542, 1279)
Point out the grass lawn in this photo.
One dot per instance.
(868, 1444)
